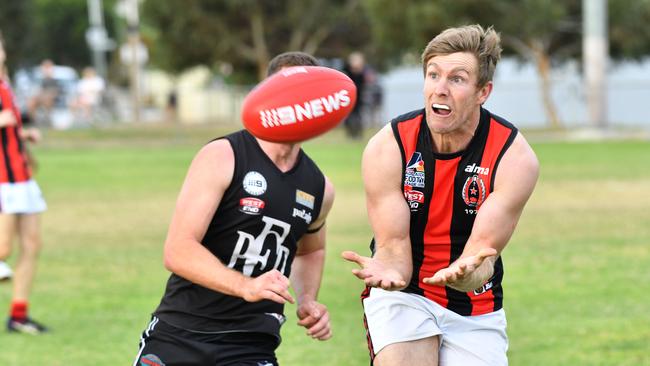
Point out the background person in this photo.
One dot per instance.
(90, 90)
(46, 97)
(355, 69)
(250, 215)
(21, 203)
(445, 188)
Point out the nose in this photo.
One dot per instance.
(440, 87)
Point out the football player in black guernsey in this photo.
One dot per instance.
(249, 222)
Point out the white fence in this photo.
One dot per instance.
(516, 95)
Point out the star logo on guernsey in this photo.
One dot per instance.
(150, 360)
(474, 191)
(254, 183)
(414, 174)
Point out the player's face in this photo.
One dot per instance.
(451, 95)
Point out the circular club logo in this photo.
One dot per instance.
(474, 191)
(254, 183)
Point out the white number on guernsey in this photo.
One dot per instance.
(249, 248)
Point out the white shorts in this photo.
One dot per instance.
(395, 316)
(21, 198)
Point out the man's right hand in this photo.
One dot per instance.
(7, 118)
(375, 273)
(271, 285)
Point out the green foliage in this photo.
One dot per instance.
(576, 267)
(54, 29)
(247, 34)
(15, 17)
(629, 35)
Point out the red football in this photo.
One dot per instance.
(298, 103)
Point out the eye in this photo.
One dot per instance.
(432, 75)
(457, 79)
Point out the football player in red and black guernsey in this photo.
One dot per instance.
(21, 203)
(250, 217)
(445, 188)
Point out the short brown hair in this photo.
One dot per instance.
(485, 44)
(293, 58)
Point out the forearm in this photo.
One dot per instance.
(396, 255)
(195, 263)
(306, 275)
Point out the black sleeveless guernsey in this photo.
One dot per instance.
(256, 228)
(444, 193)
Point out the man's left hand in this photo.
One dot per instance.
(315, 317)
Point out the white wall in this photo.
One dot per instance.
(516, 95)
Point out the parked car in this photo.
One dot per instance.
(28, 85)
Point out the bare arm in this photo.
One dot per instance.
(391, 266)
(207, 179)
(496, 220)
(307, 271)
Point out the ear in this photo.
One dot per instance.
(484, 92)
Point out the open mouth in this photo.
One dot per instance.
(441, 109)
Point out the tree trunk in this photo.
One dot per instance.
(543, 63)
(259, 43)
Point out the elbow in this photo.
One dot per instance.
(170, 261)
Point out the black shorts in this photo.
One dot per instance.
(163, 344)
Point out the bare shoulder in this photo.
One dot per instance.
(382, 162)
(328, 201)
(521, 155)
(382, 146)
(518, 169)
(215, 161)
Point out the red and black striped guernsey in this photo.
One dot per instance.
(13, 162)
(444, 192)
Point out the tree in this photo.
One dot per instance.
(15, 18)
(247, 33)
(629, 34)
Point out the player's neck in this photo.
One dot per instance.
(456, 140)
(283, 155)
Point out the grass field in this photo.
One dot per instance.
(577, 268)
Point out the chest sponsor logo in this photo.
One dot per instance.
(474, 191)
(473, 168)
(251, 205)
(303, 214)
(413, 197)
(305, 199)
(254, 183)
(414, 174)
(252, 254)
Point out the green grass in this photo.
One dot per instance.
(576, 284)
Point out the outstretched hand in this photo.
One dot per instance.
(461, 270)
(271, 285)
(315, 317)
(374, 273)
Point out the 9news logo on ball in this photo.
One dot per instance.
(298, 103)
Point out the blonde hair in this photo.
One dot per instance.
(485, 44)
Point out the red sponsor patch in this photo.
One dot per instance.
(251, 205)
(412, 195)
